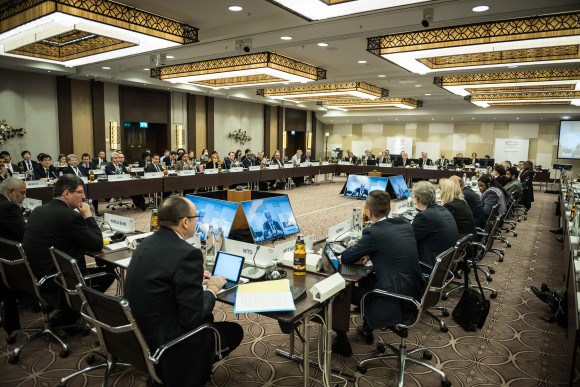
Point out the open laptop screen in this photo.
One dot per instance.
(229, 266)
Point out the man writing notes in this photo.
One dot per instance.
(389, 243)
(164, 289)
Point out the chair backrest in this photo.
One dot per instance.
(117, 329)
(69, 275)
(490, 224)
(16, 271)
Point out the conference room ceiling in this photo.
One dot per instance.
(264, 24)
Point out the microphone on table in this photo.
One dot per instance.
(253, 272)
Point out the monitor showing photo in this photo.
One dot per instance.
(213, 212)
(399, 187)
(270, 218)
(359, 186)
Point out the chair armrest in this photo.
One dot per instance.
(384, 293)
(41, 281)
(95, 322)
(159, 352)
(99, 274)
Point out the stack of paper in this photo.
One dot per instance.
(267, 296)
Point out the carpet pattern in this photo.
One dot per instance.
(516, 347)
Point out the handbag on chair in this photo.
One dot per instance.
(472, 309)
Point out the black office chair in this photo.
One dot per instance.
(122, 339)
(17, 274)
(69, 276)
(438, 280)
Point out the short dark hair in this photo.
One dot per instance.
(145, 154)
(43, 156)
(5, 153)
(499, 169)
(172, 210)
(173, 153)
(379, 202)
(67, 182)
(514, 172)
(153, 155)
(23, 153)
(85, 155)
(247, 150)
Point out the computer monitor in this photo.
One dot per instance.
(270, 218)
(460, 161)
(486, 162)
(359, 186)
(213, 212)
(400, 189)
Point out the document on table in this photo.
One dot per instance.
(123, 262)
(267, 296)
(116, 246)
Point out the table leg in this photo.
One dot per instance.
(306, 354)
(328, 344)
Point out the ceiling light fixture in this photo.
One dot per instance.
(322, 44)
(170, 57)
(235, 8)
(329, 91)
(106, 68)
(240, 71)
(91, 31)
(535, 40)
(518, 99)
(480, 8)
(372, 104)
(362, 61)
(286, 37)
(326, 9)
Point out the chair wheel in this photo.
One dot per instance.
(493, 295)
(444, 329)
(11, 339)
(91, 359)
(491, 271)
(508, 245)
(444, 297)
(113, 208)
(61, 384)
(13, 359)
(445, 313)
(362, 369)
(515, 234)
(427, 355)
(446, 383)
(381, 348)
(489, 279)
(500, 259)
(64, 353)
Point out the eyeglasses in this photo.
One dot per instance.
(80, 192)
(191, 217)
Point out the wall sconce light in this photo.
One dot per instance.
(114, 136)
(309, 141)
(284, 135)
(179, 136)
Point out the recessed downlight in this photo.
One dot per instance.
(106, 68)
(480, 8)
(286, 37)
(382, 76)
(322, 44)
(235, 8)
(146, 69)
(427, 94)
(362, 61)
(566, 117)
(170, 57)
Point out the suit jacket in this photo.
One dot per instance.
(153, 168)
(181, 165)
(8, 174)
(228, 163)
(246, 162)
(490, 198)
(527, 178)
(435, 231)
(463, 217)
(514, 186)
(383, 160)
(476, 206)
(96, 162)
(305, 159)
(40, 172)
(11, 220)
(502, 180)
(25, 167)
(56, 224)
(402, 163)
(275, 229)
(211, 165)
(277, 162)
(167, 161)
(110, 169)
(354, 159)
(82, 170)
(164, 288)
(429, 162)
(392, 248)
(441, 162)
(89, 167)
(144, 163)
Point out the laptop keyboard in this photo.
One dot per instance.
(356, 270)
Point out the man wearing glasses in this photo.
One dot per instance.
(67, 224)
(164, 288)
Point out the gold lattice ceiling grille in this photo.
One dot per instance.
(325, 92)
(372, 104)
(534, 98)
(534, 40)
(242, 70)
(73, 32)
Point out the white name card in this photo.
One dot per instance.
(338, 230)
(236, 169)
(98, 171)
(342, 162)
(246, 250)
(37, 183)
(152, 175)
(186, 172)
(305, 164)
(21, 176)
(118, 177)
(120, 223)
(84, 179)
(273, 166)
(325, 163)
(137, 169)
(430, 167)
(31, 204)
(385, 165)
(211, 171)
(254, 168)
(289, 165)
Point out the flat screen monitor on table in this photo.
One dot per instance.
(213, 212)
(359, 186)
(399, 187)
(270, 218)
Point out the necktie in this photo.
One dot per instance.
(29, 167)
(47, 174)
(157, 166)
(78, 172)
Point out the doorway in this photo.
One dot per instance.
(138, 136)
(294, 141)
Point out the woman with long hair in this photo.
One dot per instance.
(492, 193)
(452, 199)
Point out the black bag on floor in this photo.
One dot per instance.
(472, 309)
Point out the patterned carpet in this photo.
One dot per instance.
(516, 347)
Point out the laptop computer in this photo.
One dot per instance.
(230, 267)
(343, 268)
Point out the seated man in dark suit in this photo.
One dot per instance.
(170, 160)
(474, 202)
(12, 193)
(434, 226)
(26, 164)
(116, 168)
(271, 227)
(361, 192)
(45, 170)
(155, 165)
(390, 245)
(100, 161)
(248, 159)
(403, 161)
(73, 167)
(164, 288)
(4, 172)
(58, 224)
(231, 162)
(425, 160)
(87, 164)
(8, 162)
(442, 161)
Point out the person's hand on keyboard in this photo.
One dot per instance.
(216, 283)
(363, 260)
(206, 277)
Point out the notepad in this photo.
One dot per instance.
(124, 262)
(267, 296)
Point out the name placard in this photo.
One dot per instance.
(31, 204)
(152, 175)
(387, 165)
(246, 250)
(342, 162)
(289, 165)
(98, 171)
(236, 169)
(21, 176)
(137, 169)
(84, 179)
(37, 183)
(305, 164)
(118, 177)
(120, 223)
(186, 172)
(273, 166)
(338, 230)
(211, 171)
(254, 168)
(325, 163)
(430, 167)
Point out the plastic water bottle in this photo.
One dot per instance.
(219, 239)
(210, 251)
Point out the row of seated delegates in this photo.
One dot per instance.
(164, 288)
(116, 168)
(73, 232)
